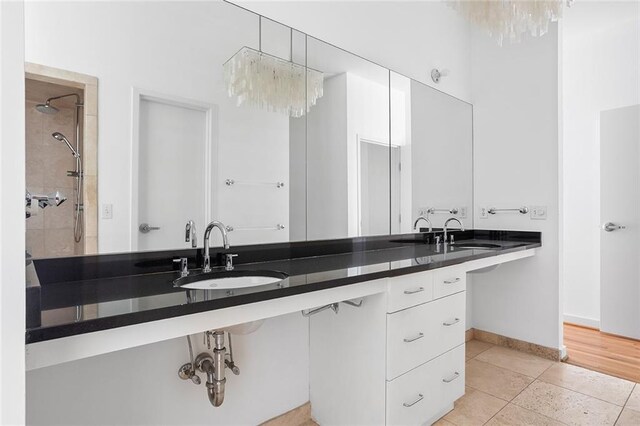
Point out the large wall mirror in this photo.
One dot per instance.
(151, 119)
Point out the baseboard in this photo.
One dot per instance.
(296, 417)
(585, 322)
(468, 335)
(519, 345)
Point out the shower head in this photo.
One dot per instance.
(62, 138)
(46, 108)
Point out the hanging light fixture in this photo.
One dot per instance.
(509, 19)
(265, 81)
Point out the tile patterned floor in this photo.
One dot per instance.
(506, 387)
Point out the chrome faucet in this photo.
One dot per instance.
(190, 234)
(451, 219)
(426, 219)
(225, 242)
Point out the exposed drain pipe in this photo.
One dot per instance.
(213, 366)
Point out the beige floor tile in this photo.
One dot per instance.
(634, 399)
(512, 415)
(474, 408)
(629, 417)
(520, 362)
(443, 422)
(474, 348)
(592, 383)
(567, 406)
(496, 381)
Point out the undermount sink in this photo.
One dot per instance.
(228, 280)
(472, 245)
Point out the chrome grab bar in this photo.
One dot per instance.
(413, 339)
(433, 210)
(278, 227)
(521, 210)
(231, 182)
(449, 324)
(455, 376)
(417, 290)
(414, 402)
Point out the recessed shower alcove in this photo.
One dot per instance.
(61, 162)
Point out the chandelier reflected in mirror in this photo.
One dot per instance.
(509, 19)
(267, 82)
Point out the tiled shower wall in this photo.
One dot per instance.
(50, 230)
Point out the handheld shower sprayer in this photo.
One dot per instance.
(62, 138)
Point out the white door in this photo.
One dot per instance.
(620, 220)
(173, 176)
(374, 188)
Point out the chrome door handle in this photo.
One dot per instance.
(145, 228)
(414, 402)
(413, 339)
(610, 226)
(451, 379)
(417, 290)
(448, 324)
(453, 281)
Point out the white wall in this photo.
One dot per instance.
(516, 149)
(601, 71)
(12, 223)
(140, 386)
(179, 51)
(410, 37)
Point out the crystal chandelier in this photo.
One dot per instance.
(509, 19)
(271, 83)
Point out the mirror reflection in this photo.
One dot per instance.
(137, 140)
(431, 135)
(347, 147)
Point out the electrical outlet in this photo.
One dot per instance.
(538, 212)
(463, 213)
(483, 213)
(107, 211)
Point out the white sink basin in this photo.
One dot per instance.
(229, 280)
(230, 283)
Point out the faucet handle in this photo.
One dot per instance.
(184, 266)
(229, 261)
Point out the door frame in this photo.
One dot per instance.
(374, 141)
(210, 153)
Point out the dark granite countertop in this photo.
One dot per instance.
(91, 293)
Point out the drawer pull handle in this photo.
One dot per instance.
(449, 324)
(452, 378)
(410, 404)
(417, 290)
(453, 281)
(413, 339)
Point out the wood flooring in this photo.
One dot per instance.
(606, 353)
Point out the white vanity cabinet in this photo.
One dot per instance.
(397, 360)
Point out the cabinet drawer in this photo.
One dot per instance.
(449, 281)
(419, 334)
(421, 394)
(409, 290)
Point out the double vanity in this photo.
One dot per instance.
(390, 350)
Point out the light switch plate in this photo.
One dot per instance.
(107, 211)
(538, 212)
(483, 213)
